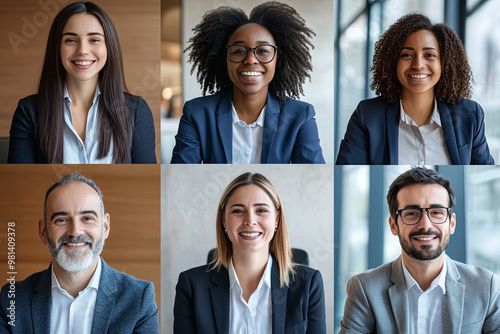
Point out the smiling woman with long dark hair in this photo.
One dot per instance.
(82, 112)
(423, 115)
(254, 66)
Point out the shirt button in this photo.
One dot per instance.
(81, 147)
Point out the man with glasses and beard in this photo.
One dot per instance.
(79, 292)
(423, 291)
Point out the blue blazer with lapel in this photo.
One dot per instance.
(202, 302)
(372, 134)
(124, 304)
(206, 132)
(377, 301)
(24, 146)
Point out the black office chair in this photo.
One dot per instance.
(4, 149)
(299, 256)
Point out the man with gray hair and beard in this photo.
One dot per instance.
(79, 292)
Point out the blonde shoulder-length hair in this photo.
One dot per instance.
(279, 247)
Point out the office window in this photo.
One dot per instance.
(483, 217)
(472, 3)
(394, 9)
(354, 230)
(352, 70)
(350, 10)
(483, 50)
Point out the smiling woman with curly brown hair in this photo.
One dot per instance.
(422, 115)
(254, 66)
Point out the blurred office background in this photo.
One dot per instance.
(359, 23)
(362, 236)
(179, 17)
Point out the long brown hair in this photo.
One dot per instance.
(115, 121)
(279, 246)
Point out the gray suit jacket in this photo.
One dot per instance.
(377, 301)
(124, 305)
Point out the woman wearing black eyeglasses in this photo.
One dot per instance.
(250, 64)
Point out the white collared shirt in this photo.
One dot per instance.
(75, 150)
(70, 315)
(422, 145)
(257, 316)
(247, 139)
(426, 316)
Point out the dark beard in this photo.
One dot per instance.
(426, 252)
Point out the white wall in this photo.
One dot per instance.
(190, 197)
(318, 15)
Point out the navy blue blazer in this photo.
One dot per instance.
(202, 302)
(124, 304)
(206, 132)
(372, 134)
(24, 146)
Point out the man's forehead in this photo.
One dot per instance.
(423, 192)
(78, 192)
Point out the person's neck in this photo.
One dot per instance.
(249, 268)
(418, 107)
(81, 93)
(74, 282)
(424, 272)
(248, 107)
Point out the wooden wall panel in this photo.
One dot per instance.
(131, 197)
(24, 28)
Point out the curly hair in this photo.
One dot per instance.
(208, 46)
(456, 76)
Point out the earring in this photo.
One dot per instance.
(225, 231)
(275, 229)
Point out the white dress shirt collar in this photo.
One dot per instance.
(422, 145)
(255, 316)
(75, 150)
(435, 117)
(247, 139)
(73, 315)
(425, 307)
(266, 277)
(440, 279)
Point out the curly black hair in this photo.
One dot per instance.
(208, 46)
(456, 76)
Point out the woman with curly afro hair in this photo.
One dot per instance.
(254, 66)
(422, 115)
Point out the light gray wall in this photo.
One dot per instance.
(190, 197)
(318, 15)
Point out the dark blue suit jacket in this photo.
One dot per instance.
(206, 132)
(202, 302)
(124, 304)
(372, 134)
(24, 146)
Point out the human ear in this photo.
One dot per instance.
(394, 225)
(42, 232)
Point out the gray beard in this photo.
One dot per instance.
(73, 260)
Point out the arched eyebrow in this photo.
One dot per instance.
(413, 49)
(258, 42)
(256, 204)
(89, 34)
(64, 213)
